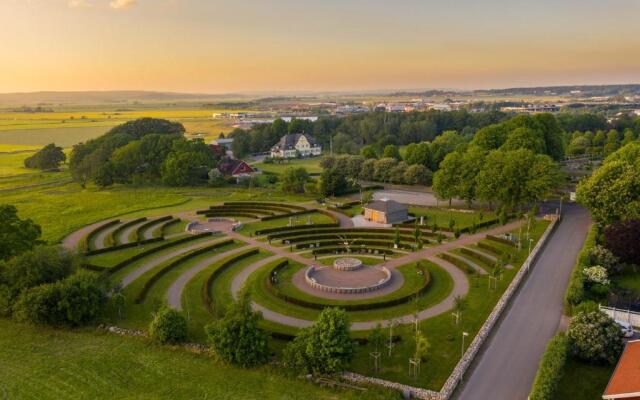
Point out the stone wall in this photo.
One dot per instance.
(458, 372)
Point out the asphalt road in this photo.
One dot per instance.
(507, 364)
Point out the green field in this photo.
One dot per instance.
(582, 381)
(43, 363)
(312, 165)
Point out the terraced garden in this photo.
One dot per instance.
(156, 261)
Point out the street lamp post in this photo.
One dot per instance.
(464, 334)
(530, 241)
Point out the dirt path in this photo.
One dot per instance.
(123, 237)
(174, 294)
(469, 262)
(101, 238)
(72, 241)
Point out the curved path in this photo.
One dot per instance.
(123, 237)
(508, 360)
(469, 262)
(72, 241)
(101, 238)
(174, 294)
(147, 266)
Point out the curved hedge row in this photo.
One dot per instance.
(87, 241)
(349, 235)
(337, 243)
(231, 214)
(206, 288)
(551, 369)
(491, 249)
(501, 240)
(291, 214)
(480, 257)
(348, 307)
(468, 269)
(139, 232)
(300, 228)
(164, 246)
(346, 231)
(112, 238)
(123, 246)
(235, 211)
(340, 251)
(160, 231)
(164, 270)
(264, 203)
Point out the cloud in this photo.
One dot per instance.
(121, 4)
(78, 3)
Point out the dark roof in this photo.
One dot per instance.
(386, 206)
(289, 141)
(229, 166)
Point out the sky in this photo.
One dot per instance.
(215, 46)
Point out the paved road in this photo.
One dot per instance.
(509, 359)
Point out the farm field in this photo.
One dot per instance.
(46, 363)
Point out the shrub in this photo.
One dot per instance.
(168, 326)
(17, 235)
(622, 239)
(595, 338)
(236, 338)
(551, 369)
(575, 293)
(596, 274)
(599, 255)
(325, 347)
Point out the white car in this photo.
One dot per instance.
(626, 328)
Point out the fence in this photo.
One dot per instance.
(622, 315)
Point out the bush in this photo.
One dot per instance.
(325, 347)
(168, 326)
(595, 338)
(75, 301)
(551, 369)
(236, 338)
(575, 293)
(622, 239)
(599, 255)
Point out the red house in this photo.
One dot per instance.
(625, 381)
(233, 167)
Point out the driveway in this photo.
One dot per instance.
(508, 361)
(414, 198)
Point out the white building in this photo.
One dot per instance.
(292, 145)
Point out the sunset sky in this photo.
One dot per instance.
(214, 46)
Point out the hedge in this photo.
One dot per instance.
(164, 270)
(264, 203)
(235, 211)
(270, 209)
(458, 263)
(501, 240)
(291, 214)
(575, 293)
(112, 239)
(139, 232)
(123, 246)
(551, 369)
(480, 257)
(295, 228)
(347, 307)
(231, 214)
(358, 245)
(86, 242)
(491, 249)
(156, 249)
(206, 288)
(162, 228)
(347, 231)
(340, 251)
(355, 235)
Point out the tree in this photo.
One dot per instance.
(622, 239)
(48, 158)
(188, 163)
(418, 174)
(391, 151)
(146, 126)
(612, 193)
(332, 183)
(236, 338)
(293, 179)
(396, 175)
(367, 170)
(525, 138)
(595, 338)
(422, 347)
(168, 326)
(368, 152)
(16, 235)
(459, 305)
(325, 347)
(241, 145)
(216, 178)
(447, 179)
(383, 168)
(376, 338)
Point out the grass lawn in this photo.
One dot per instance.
(312, 165)
(316, 218)
(441, 216)
(440, 287)
(44, 363)
(582, 381)
(629, 278)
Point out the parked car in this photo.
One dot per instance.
(626, 328)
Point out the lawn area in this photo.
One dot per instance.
(44, 363)
(582, 381)
(629, 278)
(312, 165)
(316, 218)
(441, 216)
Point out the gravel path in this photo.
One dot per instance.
(470, 263)
(123, 237)
(72, 241)
(101, 238)
(150, 264)
(174, 294)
